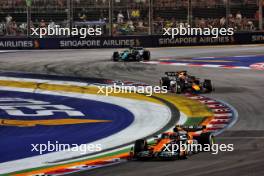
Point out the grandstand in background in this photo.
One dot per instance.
(129, 17)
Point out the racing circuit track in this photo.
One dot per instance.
(243, 89)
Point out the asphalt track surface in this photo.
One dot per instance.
(243, 89)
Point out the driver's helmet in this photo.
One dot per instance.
(177, 128)
(182, 75)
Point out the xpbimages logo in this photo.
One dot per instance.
(58, 31)
(189, 31)
(195, 147)
(116, 89)
(56, 147)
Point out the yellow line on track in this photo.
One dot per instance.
(71, 88)
(190, 107)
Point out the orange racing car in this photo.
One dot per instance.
(178, 144)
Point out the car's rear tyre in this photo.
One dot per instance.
(165, 82)
(195, 150)
(177, 88)
(183, 156)
(182, 153)
(207, 85)
(115, 57)
(146, 55)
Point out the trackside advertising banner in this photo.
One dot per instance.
(126, 41)
(18, 43)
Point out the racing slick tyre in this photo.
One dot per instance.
(165, 82)
(146, 55)
(115, 57)
(176, 88)
(206, 139)
(207, 85)
(182, 153)
(195, 150)
(183, 156)
(139, 146)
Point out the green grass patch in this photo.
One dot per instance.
(194, 121)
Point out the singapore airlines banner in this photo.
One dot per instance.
(126, 41)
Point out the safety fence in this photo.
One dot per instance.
(129, 17)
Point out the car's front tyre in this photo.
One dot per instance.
(139, 146)
(207, 85)
(206, 140)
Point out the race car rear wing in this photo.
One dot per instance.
(171, 73)
(138, 48)
(189, 128)
(174, 73)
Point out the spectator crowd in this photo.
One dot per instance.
(130, 17)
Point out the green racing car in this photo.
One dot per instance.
(132, 54)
